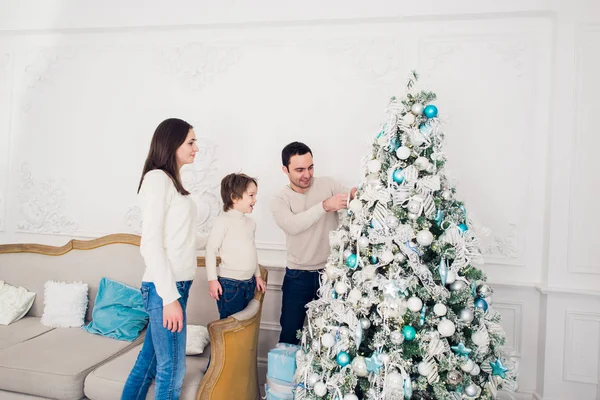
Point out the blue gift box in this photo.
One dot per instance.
(279, 390)
(282, 362)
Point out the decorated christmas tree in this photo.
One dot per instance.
(403, 310)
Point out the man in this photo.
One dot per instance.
(306, 210)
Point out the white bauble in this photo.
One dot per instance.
(409, 119)
(387, 257)
(446, 194)
(413, 216)
(320, 322)
(373, 179)
(350, 396)
(400, 257)
(446, 328)
(374, 166)
(421, 163)
(479, 338)
(355, 205)
(347, 253)
(394, 381)
(475, 371)
(354, 295)
(440, 310)
(327, 340)
(313, 379)
(363, 242)
(365, 323)
(320, 389)
(489, 300)
(335, 239)
(424, 368)
(417, 109)
(468, 366)
(340, 287)
(451, 277)
(471, 390)
(403, 152)
(414, 304)
(331, 272)
(416, 138)
(397, 337)
(344, 331)
(384, 358)
(392, 222)
(359, 366)
(424, 237)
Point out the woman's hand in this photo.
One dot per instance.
(173, 316)
(215, 289)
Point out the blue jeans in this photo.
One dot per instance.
(163, 354)
(299, 288)
(236, 295)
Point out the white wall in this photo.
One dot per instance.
(83, 85)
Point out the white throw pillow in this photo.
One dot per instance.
(196, 339)
(15, 302)
(65, 304)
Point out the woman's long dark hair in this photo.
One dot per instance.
(168, 136)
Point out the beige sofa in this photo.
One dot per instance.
(69, 363)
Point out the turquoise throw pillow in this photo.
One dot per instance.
(119, 311)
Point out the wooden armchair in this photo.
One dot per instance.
(233, 372)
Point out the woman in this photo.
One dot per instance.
(168, 247)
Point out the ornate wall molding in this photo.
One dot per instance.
(41, 205)
(197, 64)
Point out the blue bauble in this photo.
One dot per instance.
(481, 303)
(409, 333)
(463, 228)
(334, 294)
(398, 176)
(439, 217)
(373, 260)
(343, 358)
(394, 144)
(430, 111)
(352, 261)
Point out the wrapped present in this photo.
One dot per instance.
(282, 362)
(279, 390)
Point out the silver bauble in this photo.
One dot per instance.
(359, 366)
(466, 315)
(458, 285)
(484, 290)
(365, 323)
(397, 337)
(454, 377)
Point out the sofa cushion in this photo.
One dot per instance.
(15, 302)
(107, 381)
(20, 331)
(55, 364)
(119, 311)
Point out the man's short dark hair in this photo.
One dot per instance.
(293, 149)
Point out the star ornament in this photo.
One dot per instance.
(374, 363)
(390, 289)
(461, 350)
(498, 369)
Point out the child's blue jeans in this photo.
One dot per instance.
(236, 295)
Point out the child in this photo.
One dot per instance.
(232, 237)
